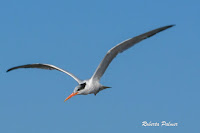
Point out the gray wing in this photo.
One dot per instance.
(46, 66)
(112, 53)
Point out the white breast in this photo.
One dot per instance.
(91, 87)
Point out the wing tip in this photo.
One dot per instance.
(10, 69)
(166, 27)
(171, 25)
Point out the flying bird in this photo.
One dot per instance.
(92, 85)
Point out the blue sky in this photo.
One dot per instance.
(156, 80)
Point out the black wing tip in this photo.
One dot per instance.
(33, 66)
(18, 67)
(9, 70)
(169, 26)
(166, 27)
(172, 25)
(153, 32)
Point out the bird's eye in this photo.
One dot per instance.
(82, 86)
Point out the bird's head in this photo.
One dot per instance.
(77, 91)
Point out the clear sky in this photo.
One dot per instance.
(156, 80)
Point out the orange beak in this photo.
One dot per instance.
(73, 94)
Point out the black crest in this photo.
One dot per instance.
(82, 86)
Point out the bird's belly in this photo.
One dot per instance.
(94, 90)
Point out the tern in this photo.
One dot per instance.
(92, 85)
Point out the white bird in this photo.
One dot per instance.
(92, 85)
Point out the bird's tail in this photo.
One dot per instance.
(105, 87)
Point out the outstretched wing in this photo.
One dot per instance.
(112, 53)
(48, 67)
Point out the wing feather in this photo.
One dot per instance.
(46, 66)
(113, 52)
